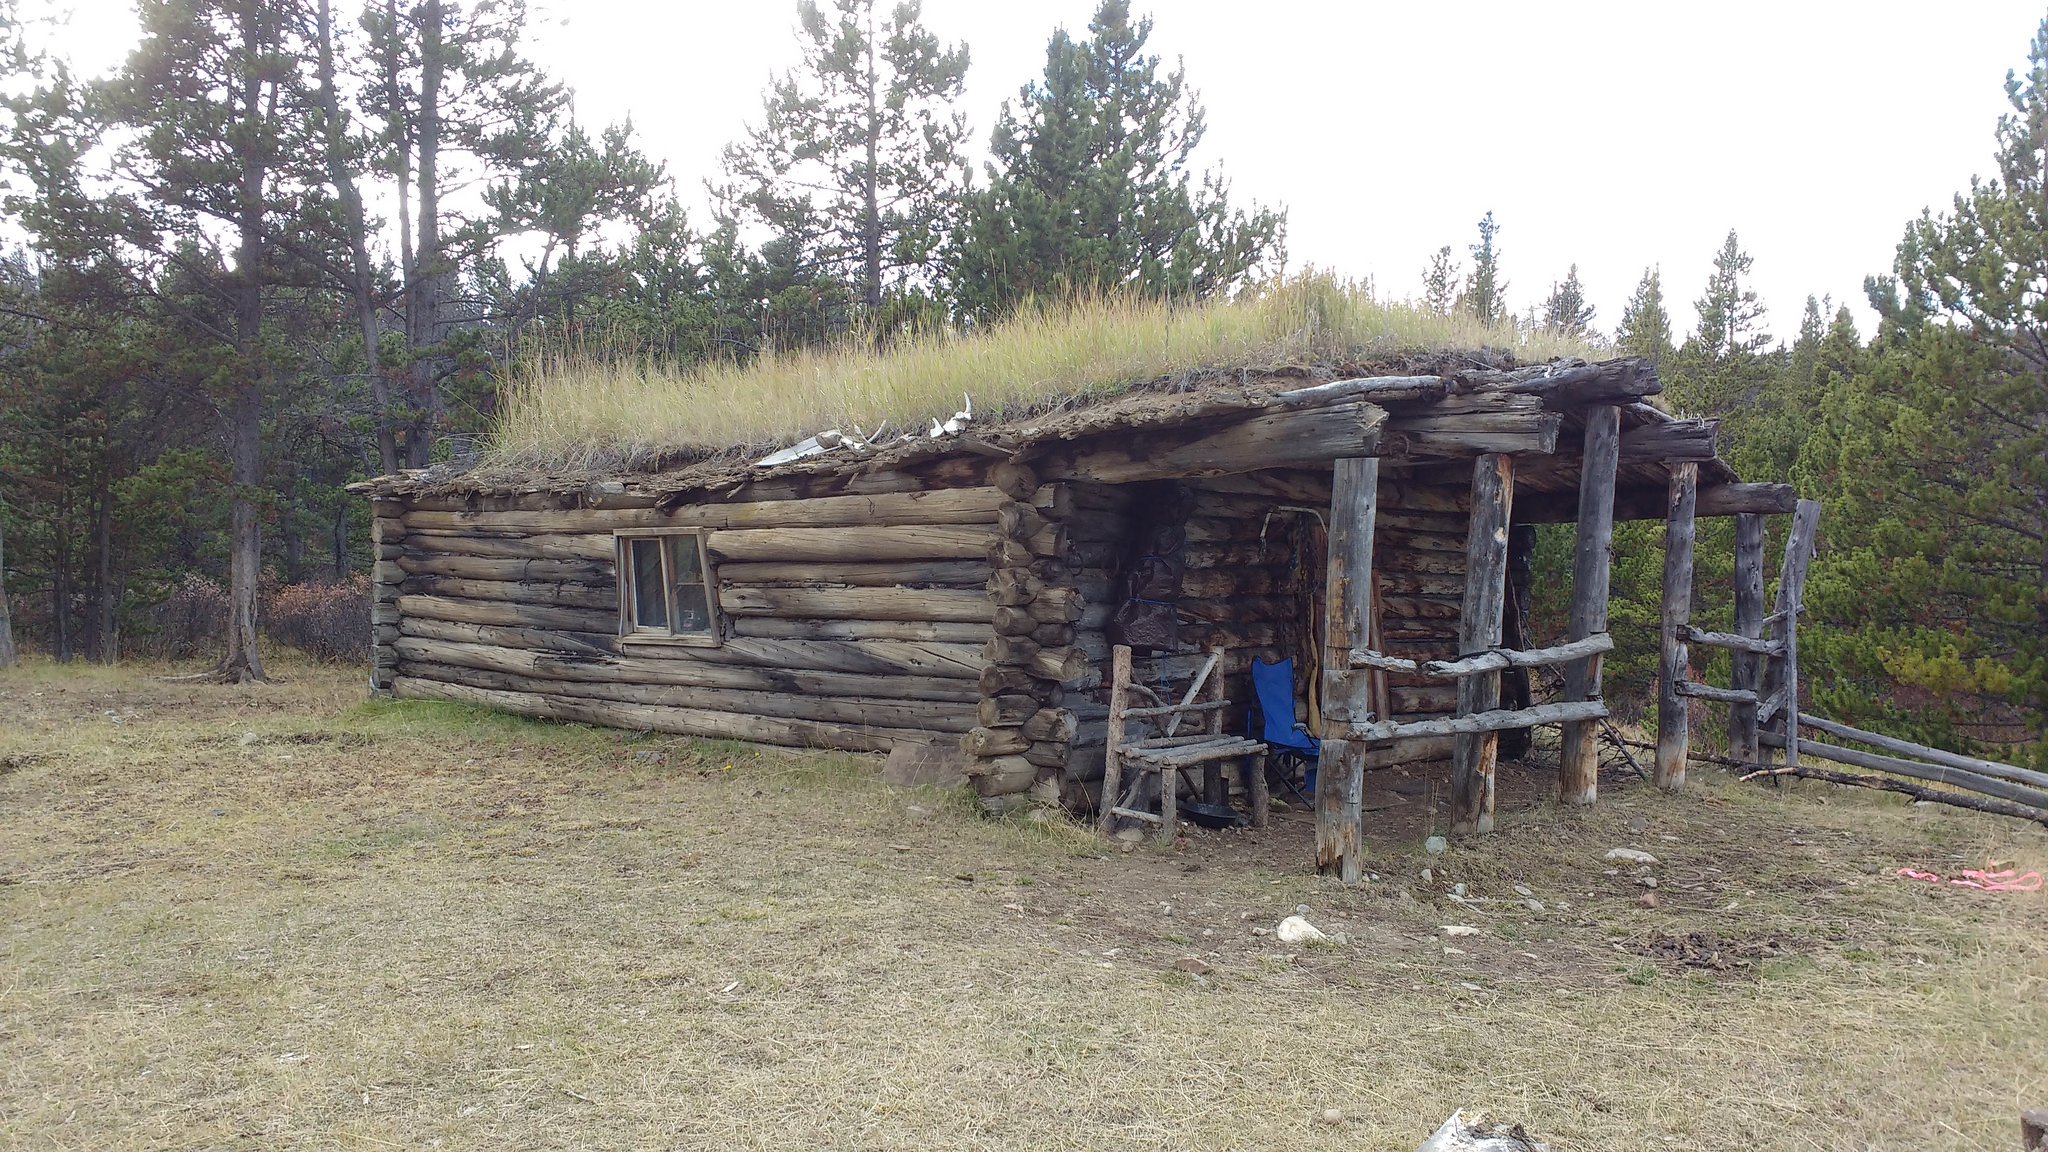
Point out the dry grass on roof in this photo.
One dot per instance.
(572, 412)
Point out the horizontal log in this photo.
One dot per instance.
(842, 545)
(1222, 749)
(932, 506)
(649, 717)
(515, 570)
(1006, 711)
(1982, 767)
(1426, 434)
(1889, 784)
(957, 573)
(1698, 691)
(1608, 382)
(1732, 641)
(1490, 721)
(598, 598)
(1916, 770)
(778, 628)
(932, 604)
(1499, 658)
(1648, 503)
(1367, 658)
(1379, 389)
(1265, 439)
(508, 614)
(602, 548)
(1003, 776)
(1175, 709)
(1769, 709)
(950, 718)
(1014, 679)
(1670, 442)
(536, 639)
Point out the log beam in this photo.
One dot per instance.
(1474, 757)
(1340, 779)
(1270, 439)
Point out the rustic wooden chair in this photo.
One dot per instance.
(1170, 751)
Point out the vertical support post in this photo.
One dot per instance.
(1749, 621)
(1257, 792)
(1578, 775)
(1473, 757)
(1791, 597)
(1215, 785)
(1674, 719)
(1340, 772)
(1112, 755)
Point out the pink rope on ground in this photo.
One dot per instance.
(1982, 879)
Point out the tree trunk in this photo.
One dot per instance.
(341, 543)
(245, 414)
(362, 285)
(60, 578)
(8, 657)
(425, 288)
(104, 593)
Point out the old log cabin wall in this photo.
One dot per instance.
(957, 590)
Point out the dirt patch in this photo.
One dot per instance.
(1706, 950)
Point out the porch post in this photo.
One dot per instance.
(1674, 731)
(1479, 624)
(1340, 775)
(1578, 774)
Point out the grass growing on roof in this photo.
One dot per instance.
(570, 411)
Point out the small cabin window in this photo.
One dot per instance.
(665, 588)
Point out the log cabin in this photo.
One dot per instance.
(1372, 523)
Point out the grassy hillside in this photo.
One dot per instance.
(571, 411)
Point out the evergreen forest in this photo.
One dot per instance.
(289, 245)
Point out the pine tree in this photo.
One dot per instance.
(1485, 295)
(1440, 282)
(1645, 328)
(1935, 457)
(1091, 186)
(1731, 317)
(853, 165)
(1565, 310)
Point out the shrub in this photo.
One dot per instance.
(330, 621)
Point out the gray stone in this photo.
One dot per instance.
(912, 765)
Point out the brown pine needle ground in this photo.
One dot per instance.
(416, 926)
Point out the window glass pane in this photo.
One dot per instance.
(689, 567)
(693, 609)
(650, 606)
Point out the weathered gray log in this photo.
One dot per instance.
(1474, 757)
(931, 661)
(1267, 439)
(1017, 481)
(840, 545)
(1749, 623)
(1052, 724)
(1648, 503)
(1670, 442)
(1674, 723)
(1500, 658)
(870, 575)
(1731, 641)
(938, 604)
(1006, 679)
(1380, 389)
(508, 614)
(1791, 598)
(603, 548)
(1453, 434)
(1006, 711)
(1002, 775)
(1347, 697)
(1914, 769)
(684, 721)
(1176, 709)
(515, 570)
(940, 632)
(1578, 778)
(677, 673)
(931, 506)
(1112, 765)
(1975, 764)
(860, 711)
(597, 598)
(980, 741)
(1696, 691)
(1057, 664)
(1608, 382)
(1481, 723)
(1365, 658)
(1967, 800)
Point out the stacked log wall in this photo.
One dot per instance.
(851, 622)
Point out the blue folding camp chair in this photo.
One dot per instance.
(1292, 749)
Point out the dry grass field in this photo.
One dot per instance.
(281, 917)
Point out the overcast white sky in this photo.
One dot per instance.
(1616, 135)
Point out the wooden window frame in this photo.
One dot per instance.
(631, 633)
